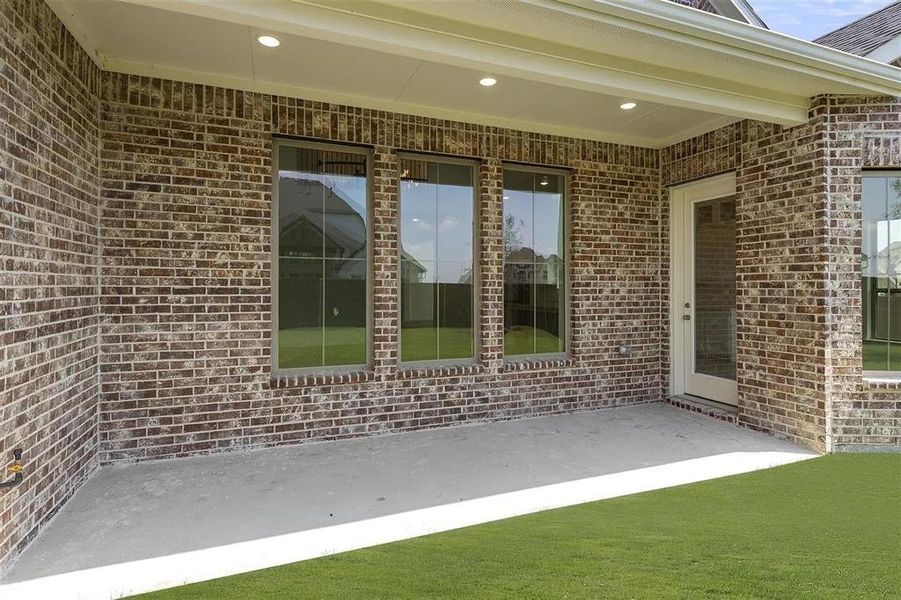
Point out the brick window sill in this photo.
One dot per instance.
(319, 379)
(886, 383)
(538, 364)
(405, 372)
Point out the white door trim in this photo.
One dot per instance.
(682, 276)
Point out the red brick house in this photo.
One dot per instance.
(211, 244)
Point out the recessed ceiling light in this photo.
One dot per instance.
(487, 81)
(544, 180)
(270, 41)
(628, 105)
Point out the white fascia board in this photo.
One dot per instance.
(338, 23)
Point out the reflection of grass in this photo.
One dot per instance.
(518, 341)
(879, 356)
(302, 346)
(419, 343)
(821, 528)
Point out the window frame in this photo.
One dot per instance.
(312, 144)
(874, 173)
(476, 271)
(567, 279)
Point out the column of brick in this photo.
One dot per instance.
(384, 261)
(490, 264)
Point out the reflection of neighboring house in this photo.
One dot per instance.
(521, 263)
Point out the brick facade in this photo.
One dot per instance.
(185, 340)
(49, 311)
(136, 296)
(799, 290)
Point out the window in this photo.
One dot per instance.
(534, 262)
(436, 231)
(320, 230)
(881, 262)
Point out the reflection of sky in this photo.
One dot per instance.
(538, 219)
(436, 222)
(881, 233)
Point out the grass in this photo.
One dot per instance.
(823, 528)
(302, 346)
(878, 357)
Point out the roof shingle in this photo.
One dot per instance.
(866, 33)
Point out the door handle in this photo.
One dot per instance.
(686, 317)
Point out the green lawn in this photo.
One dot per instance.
(879, 356)
(823, 528)
(302, 346)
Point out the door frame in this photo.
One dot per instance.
(681, 199)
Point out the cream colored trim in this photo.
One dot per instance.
(682, 378)
(373, 26)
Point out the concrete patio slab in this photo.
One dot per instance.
(146, 526)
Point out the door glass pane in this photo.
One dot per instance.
(715, 290)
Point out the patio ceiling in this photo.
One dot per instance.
(562, 67)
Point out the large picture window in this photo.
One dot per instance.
(534, 262)
(881, 262)
(436, 231)
(321, 265)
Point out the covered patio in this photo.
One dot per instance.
(140, 527)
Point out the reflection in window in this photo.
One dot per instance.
(881, 263)
(436, 231)
(534, 269)
(321, 267)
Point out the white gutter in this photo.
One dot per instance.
(694, 26)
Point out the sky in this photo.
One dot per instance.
(809, 19)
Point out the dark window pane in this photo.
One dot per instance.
(300, 313)
(419, 315)
(455, 320)
(550, 295)
(345, 312)
(519, 309)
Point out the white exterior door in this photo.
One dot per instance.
(704, 289)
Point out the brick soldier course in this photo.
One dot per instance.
(136, 288)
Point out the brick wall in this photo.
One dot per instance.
(799, 308)
(186, 277)
(49, 313)
(862, 133)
